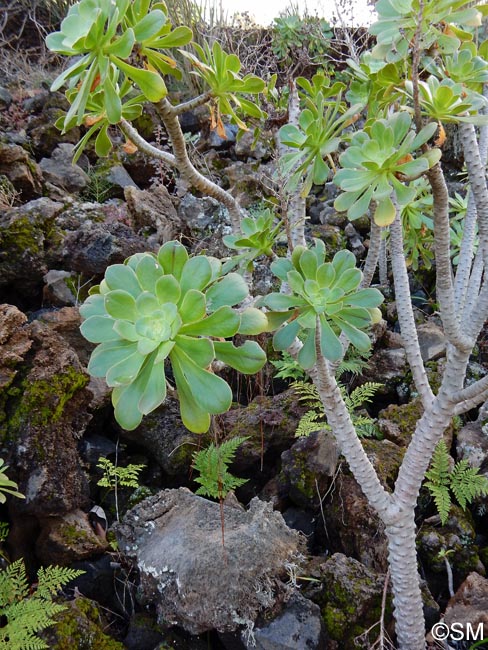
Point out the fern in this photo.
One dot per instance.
(28, 613)
(288, 367)
(114, 475)
(463, 481)
(314, 419)
(212, 464)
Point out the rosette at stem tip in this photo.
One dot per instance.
(175, 308)
(324, 295)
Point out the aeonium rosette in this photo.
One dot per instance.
(325, 300)
(176, 307)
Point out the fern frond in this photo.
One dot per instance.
(467, 484)
(27, 614)
(442, 500)
(308, 394)
(366, 427)
(309, 422)
(354, 364)
(13, 584)
(439, 471)
(362, 394)
(52, 578)
(212, 465)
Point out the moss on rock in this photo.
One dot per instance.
(79, 628)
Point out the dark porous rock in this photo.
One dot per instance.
(14, 345)
(245, 184)
(308, 467)
(143, 633)
(186, 572)
(152, 213)
(60, 171)
(387, 366)
(270, 424)
(207, 220)
(355, 242)
(351, 601)
(47, 406)
(299, 626)
(94, 246)
(67, 539)
(246, 147)
(26, 233)
(432, 341)
(66, 322)
(5, 98)
(458, 534)
(469, 605)
(386, 457)
(353, 526)
(472, 444)
(21, 170)
(169, 442)
(43, 135)
(119, 178)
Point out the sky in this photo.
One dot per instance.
(265, 10)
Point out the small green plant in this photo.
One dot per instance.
(295, 37)
(325, 300)
(169, 306)
(214, 478)
(25, 611)
(6, 485)
(314, 419)
(112, 475)
(220, 71)
(463, 481)
(376, 162)
(212, 464)
(99, 187)
(288, 367)
(259, 234)
(115, 476)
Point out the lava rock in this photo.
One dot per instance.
(186, 571)
(60, 171)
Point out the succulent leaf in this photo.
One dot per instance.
(169, 306)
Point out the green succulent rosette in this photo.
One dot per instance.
(378, 163)
(324, 295)
(176, 307)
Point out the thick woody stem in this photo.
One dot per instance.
(405, 313)
(191, 104)
(442, 243)
(187, 170)
(345, 433)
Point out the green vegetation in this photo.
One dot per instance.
(27, 612)
(169, 306)
(315, 418)
(463, 481)
(212, 464)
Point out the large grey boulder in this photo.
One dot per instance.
(196, 582)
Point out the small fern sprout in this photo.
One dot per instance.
(115, 476)
(465, 483)
(314, 419)
(214, 478)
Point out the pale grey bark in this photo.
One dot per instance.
(476, 173)
(296, 208)
(405, 313)
(442, 247)
(463, 271)
(372, 255)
